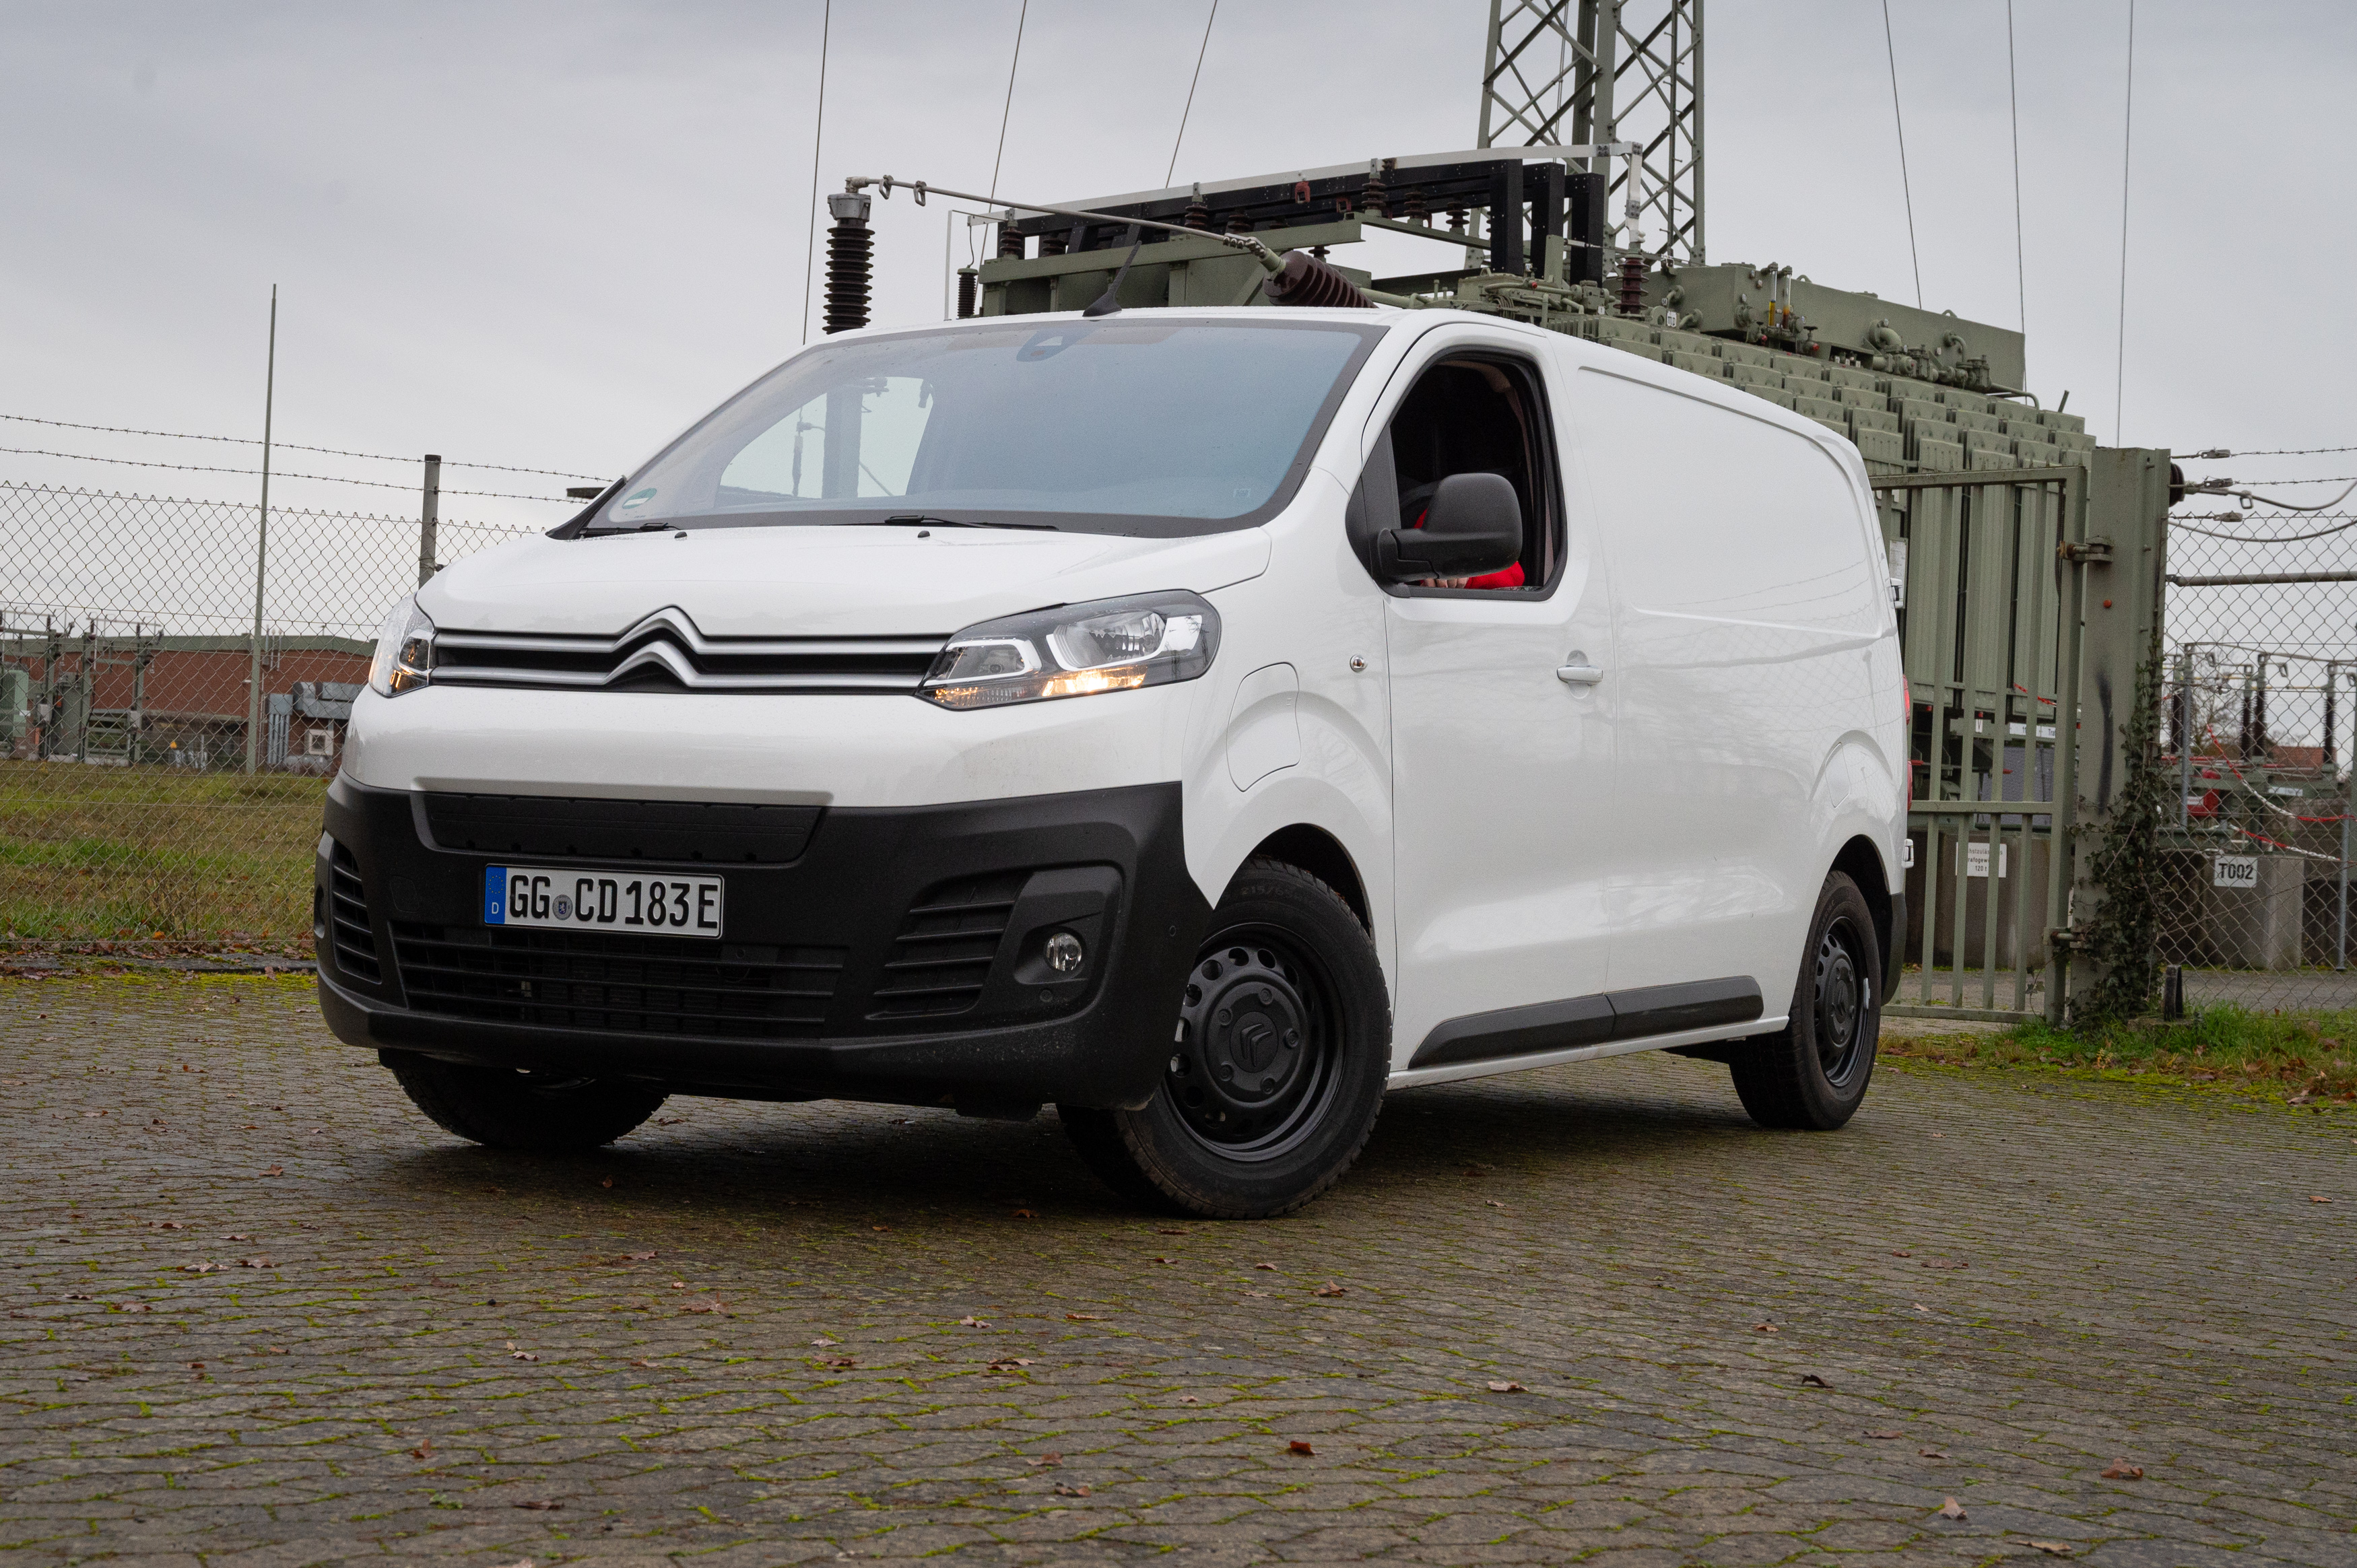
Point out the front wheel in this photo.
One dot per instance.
(1277, 1071)
(1814, 1072)
(502, 1108)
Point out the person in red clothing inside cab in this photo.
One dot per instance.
(1474, 415)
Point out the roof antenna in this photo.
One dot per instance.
(1107, 303)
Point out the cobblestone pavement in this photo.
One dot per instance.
(259, 1312)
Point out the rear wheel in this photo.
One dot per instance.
(1814, 1072)
(1284, 1043)
(505, 1108)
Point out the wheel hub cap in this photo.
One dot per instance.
(1840, 999)
(1240, 1046)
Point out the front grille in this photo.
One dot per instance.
(348, 919)
(681, 831)
(617, 985)
(944, 952)
(665, 651)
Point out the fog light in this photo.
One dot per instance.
(1064, 953)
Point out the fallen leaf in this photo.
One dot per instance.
(607, 1182)
(1299, 1446)
(1084, 1317)
(1919, 1306)
(1884, 1434)
(1180, 1231)
(206, 1267)
(276, 1170)
(668, 1121)
(1065, 1491)
(2312, 1199)
(1501, 1386)
(679, 1284)
(1814, 1381)
(233, 1236)
(1929, 1454)
(1329, 1288)
(1189, 1399)
(1493, 1203)
(2051, 1548)
(712, 1306)
(1262, 1293)
(880, 1228)
(1041, 1461)
(647, 1364)
(165, 1225)
(1165, 1260)
(1902, 1254)
(822, 1342)
(1009, 1364)
(1025, 1214)
(2122, 1470)
(1763, 1328)
(841, 1361)
(525, 1355)
(1952, 1508)
(537, 1504)
(1270, 1267)
(970, 1321)
(255, 1263)
(424, 1450)
(78, 1295)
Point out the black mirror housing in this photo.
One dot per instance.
(1474, 525)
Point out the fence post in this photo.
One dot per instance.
(262, 553)
(429, 518)
(2348, 803)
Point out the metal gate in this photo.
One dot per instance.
(1991, 565)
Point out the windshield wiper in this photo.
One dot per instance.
(916, 520)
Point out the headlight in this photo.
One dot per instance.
(404, 650)
(1111, 645)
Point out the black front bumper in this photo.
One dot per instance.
(897, 957)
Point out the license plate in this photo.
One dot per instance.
(602, 901)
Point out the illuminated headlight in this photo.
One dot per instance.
(1113, 645)
(404, 650)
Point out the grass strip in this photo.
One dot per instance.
(2303, 1057)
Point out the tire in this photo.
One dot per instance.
(1286, 990)
(1814, 1072)
(502, 1108)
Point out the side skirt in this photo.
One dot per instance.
(1624, 1020)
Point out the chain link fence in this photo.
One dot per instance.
(147, 792)
(2259, 667)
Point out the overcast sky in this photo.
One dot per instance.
(549, 235)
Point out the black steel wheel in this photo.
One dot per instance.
(1814, 1072)
(1277, 1065)
(505, 1108)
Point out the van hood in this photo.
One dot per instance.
(818, 581)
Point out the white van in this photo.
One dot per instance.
(1205, 720)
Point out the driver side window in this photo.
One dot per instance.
(1473, 415)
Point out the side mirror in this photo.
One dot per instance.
(1474, 525)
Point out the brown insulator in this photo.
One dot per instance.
(850, 262)
(1239, 224)
(1374, 196)
(1199, 214)
(1457, 219)
(966, 281)
(1633, 283)
(1010, 241)
(1055, 244)
(1414, 209)
(1308, 282)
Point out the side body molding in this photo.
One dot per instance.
(1591, 1020)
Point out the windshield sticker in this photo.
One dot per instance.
(638, 498)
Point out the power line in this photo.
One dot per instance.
(2127, 145)
(2013, 110)
(284, 445)
(1008, 109)
(1905, 188)
(2281, 452)
(323, 479)
(818, 139)
(1192, 80)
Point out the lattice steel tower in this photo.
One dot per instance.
(1585, 72)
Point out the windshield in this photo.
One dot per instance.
(1123, 426)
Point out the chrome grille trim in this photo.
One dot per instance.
(667, 649)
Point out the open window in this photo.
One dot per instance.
(1467, 413)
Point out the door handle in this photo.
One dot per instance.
(1578, 674)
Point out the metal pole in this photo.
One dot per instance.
(2067, 732)
(429, 518)
(261, 550)
(2348, 803)
(2185, 738)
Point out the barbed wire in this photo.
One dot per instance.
(2183, 526)
(279, 473)
(313, 512)
(2266, 452)
(295, 446)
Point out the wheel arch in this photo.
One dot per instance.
(1861, 860)
(1320, 853)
